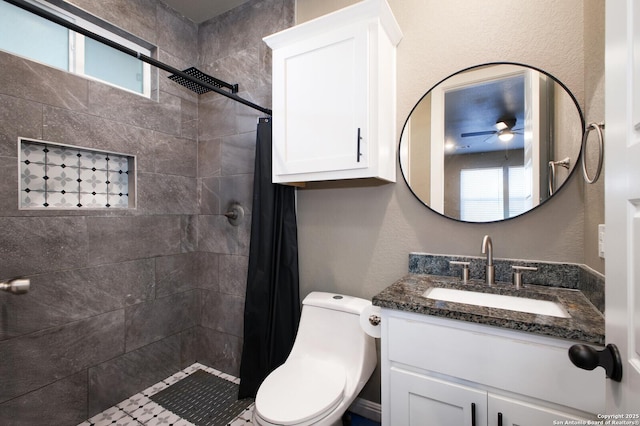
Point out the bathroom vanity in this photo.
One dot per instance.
(449, 363)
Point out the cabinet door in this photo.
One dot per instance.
(418, 400)
(322, 107)
(509, 412)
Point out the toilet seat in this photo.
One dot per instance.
(300, 391)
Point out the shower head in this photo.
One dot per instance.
(199, 88)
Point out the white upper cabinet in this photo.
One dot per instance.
(334, 96)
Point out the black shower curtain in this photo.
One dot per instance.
(272, 303)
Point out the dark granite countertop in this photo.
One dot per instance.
(586, 323)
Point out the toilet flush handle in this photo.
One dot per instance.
(374, 320)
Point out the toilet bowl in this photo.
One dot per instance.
(331, 360)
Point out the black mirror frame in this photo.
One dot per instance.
(569, 177)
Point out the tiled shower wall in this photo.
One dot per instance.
(121, 299)
(231, 49)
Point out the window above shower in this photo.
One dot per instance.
(25, 34)
(56, 176)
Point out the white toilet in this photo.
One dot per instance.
(331, 360)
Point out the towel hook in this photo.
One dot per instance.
(598, 128)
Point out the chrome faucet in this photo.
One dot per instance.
(487, 248)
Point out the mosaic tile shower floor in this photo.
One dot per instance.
(140, 410)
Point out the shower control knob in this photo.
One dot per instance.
(588, 358)
(235, 214)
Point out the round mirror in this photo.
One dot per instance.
(491, 142)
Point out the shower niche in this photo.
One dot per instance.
(57, 176)
(334, 96)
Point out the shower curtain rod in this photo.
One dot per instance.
(22, 4)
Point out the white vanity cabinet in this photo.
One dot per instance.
(417, 399)
(437, 371)
(334, 96)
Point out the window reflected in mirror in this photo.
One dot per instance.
(477, 146)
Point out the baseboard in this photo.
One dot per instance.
(367, 409)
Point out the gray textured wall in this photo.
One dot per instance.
(355, 236)
(123, 299)
(371, 227)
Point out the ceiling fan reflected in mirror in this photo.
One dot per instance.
(505, 131)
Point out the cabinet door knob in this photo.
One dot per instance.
(587, 358)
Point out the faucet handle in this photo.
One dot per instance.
(465, 269)
(517, 274)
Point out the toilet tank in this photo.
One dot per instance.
(330, 330)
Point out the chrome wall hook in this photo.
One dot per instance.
(16, 286)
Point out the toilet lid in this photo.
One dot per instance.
(300, 390)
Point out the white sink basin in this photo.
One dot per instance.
(500, 301)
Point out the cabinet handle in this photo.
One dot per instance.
(473, 414)
(358, 154)
(499, 419)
